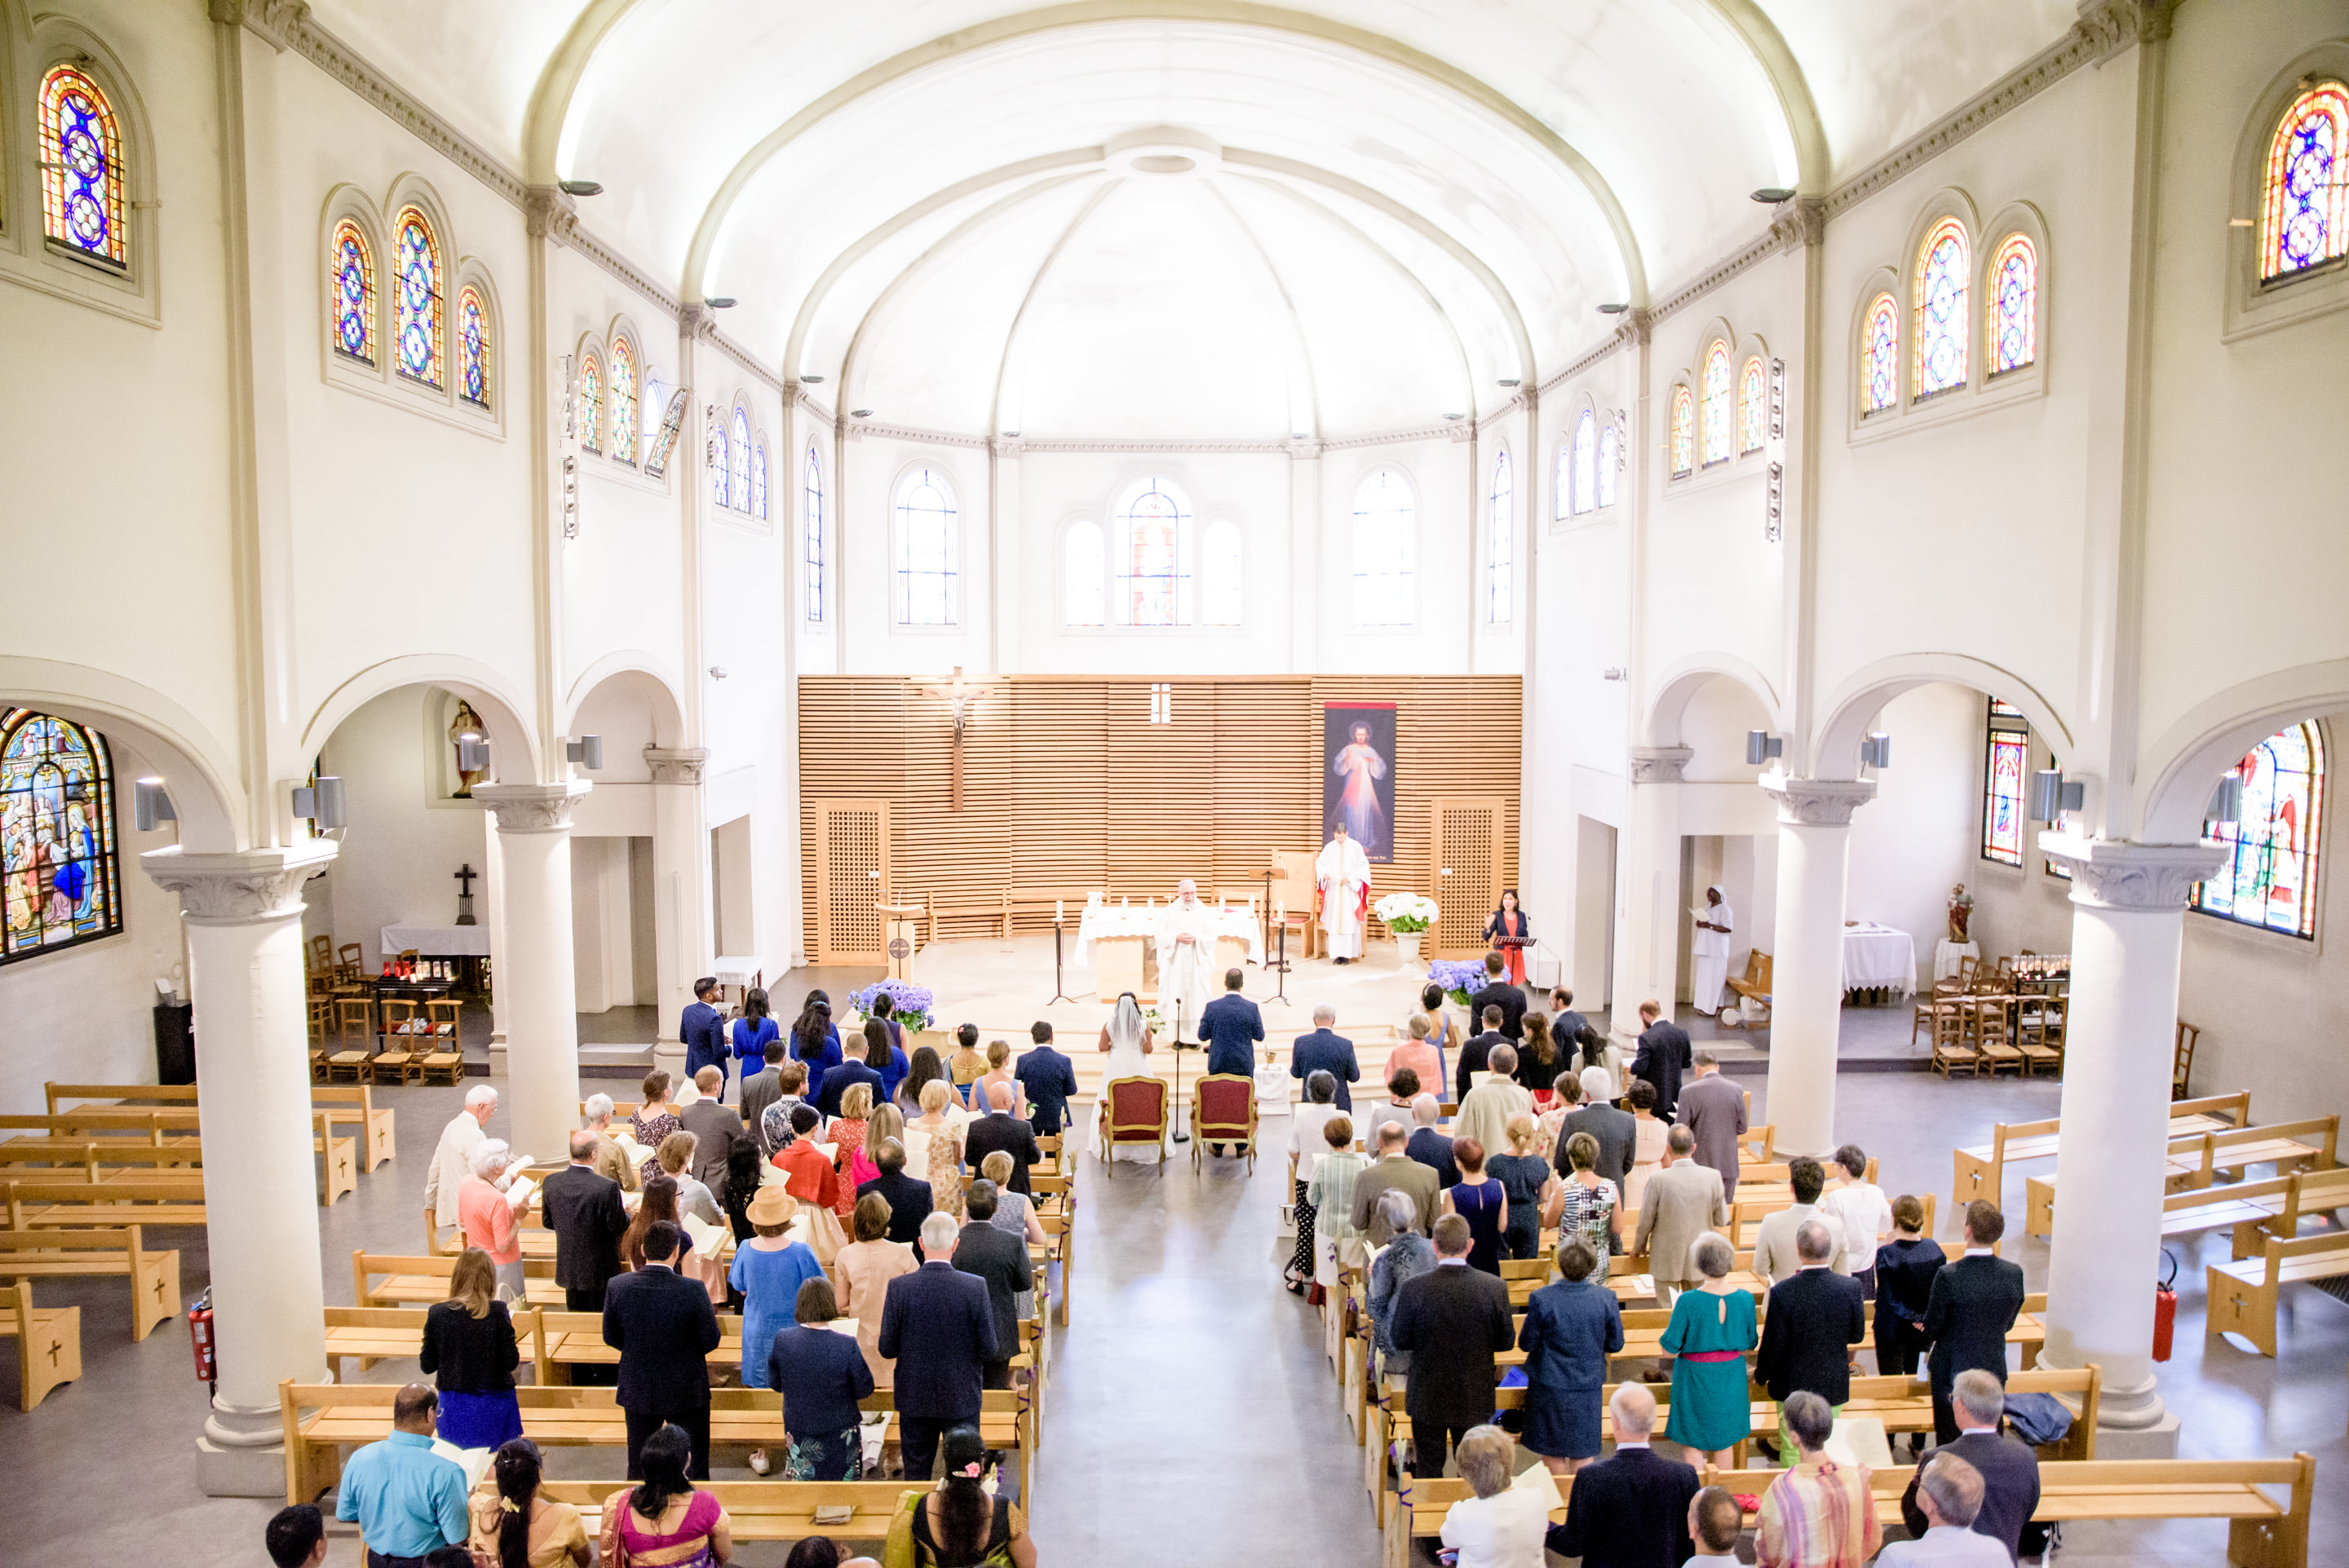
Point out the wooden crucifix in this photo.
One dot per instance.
(464, 875)
(960, 703)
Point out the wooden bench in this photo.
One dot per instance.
(1980, 1170)
(179, 1127)
(764, 1509)
(2306, 1193)
(1753, 985)
(411, 1280)
(90, 1159)
(99, 1253)
(2243, 1296)
(161, 1198)
(994, 908)
(49, 1343)
(2289, 1146)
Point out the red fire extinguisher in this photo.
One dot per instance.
(200, 1339)
(2165, 1307)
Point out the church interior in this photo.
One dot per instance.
(608, 496)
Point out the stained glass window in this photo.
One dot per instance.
(1154, 560)
(1385, 551)
(473, 347)
(2015, 304)
(1879, 358)
(82, 202)
(1586, 463)
(591, 402)
(2270, 878)
(1611, 458)
(1941, 289)
(811, 534)
(417, 335)
(1683, 432)
(1498, 519)
(738, 481)
(350, 262)
(2006, 769)
(719, 461)
(624, 400)
(2306, 210)
(1753, 406)
(1715, 406)
(59, 879)
(929, 548)
(758, 481)
(1222, 596)
(1084, 576)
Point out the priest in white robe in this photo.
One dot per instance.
(1342, 883)
(1186, 943)
(1709, 952)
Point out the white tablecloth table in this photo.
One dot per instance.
(437, 940)
(1878, 957)
(1106, 920)
(1949, 955)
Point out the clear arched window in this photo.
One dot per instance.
(1683, 432)
(1713, 408)
(2270, 878)
(591, 402)
(2013, 304)
(811, 534)
(417, 325)
(1085, 575)
(1385, 551)
(83, 203)
(1879, 358)
(1153, 555)
(1753, 405)
(1499, 556)
(350, 267)
(2304, 219)
(473, 347)
(1611, 458)
(1940, 304)
(624, 400)
(63, 881)
(1223, 596)
(1586, 464)
(929, 545)
(758, 481)
(738, 481)
(720, 460)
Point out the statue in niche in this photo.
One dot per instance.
(1961, 914)
(466, 725)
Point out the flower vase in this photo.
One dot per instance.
(1407, 942)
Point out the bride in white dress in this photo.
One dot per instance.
(1127, 1041)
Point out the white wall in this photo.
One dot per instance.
(603, 924)
(1921, 836)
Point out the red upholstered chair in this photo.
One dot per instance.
(1224, 1111)
(1137, 1114)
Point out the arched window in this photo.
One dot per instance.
(1753, 406)
(591, 402)
(1683, 432)
(1223, 596)
(1611, 458)
(1941, 303)
(2006, 769)
(719, 461)
(473, 347)
(1715, 406)
(1084, 576)
(350, 263)
(928, 550)
(2305, 212)
(1586, 464)
(811, 534)
(1153, 555)
(737, 483)
(1385, 552)
(2270, 878)
(62, 882)
(758, 481)
(82, 200)
(2013, 305)
(1499, 518)
(1879, 358)
(417, 327)
(624, 400)
(1561, 483)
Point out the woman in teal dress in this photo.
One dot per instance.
(1710, 1331)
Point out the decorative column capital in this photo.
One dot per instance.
(275, 22)
(1817, 802)
(682, 766)
(531, 807)
(549, 214)
(2112, 873)
(242, 888)
(1801, 223)
(1659, 764)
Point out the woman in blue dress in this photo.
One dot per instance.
(1572, 1328)
(815, 1042)
(754, 1031)
(769, 1270)
(1481, 1200)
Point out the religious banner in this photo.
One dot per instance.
(1359, 787)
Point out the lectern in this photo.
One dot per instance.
(901, 925)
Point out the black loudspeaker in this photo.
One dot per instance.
(175, 1042)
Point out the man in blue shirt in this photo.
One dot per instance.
(1328, 1051)
(406, 1500)
(1230, 1027)
(703, 1032)
(1050, 1079)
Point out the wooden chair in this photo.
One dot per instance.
(1938, 1009)
(445, 1061)
(2182, 1064)
(1223, 1111)
(353, 1021)
(346, 965)
(1137, 1114)
(403, 1048)
(1754, 989)
(2039, 1031)
(49, 1343)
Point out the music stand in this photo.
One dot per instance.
(1181, 1133)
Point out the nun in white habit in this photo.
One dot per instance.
(1709, 952)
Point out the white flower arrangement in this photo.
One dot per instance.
(1405, 913)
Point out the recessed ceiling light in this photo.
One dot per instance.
(723, 302)
(1508, 381)
(582, 188)
(1011, 435)
(811, 380)
(1613, 309)
(1771, 195)
(860, 413)
(1455, 415)
(1300, 434)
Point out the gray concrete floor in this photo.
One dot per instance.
(1191, 1419)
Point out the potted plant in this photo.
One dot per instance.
(908, 1004)
(1458, 977)
(1408, 915)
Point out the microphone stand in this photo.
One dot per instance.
(1060, 992)
(1181, 1133)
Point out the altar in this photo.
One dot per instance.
(1116, 942)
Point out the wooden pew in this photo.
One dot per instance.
(2243, 1296)
(408, 1280)
(375, 1121)
(2197, 1160)
(179, 1128)
(89, 1158)
(99, 1253)
(161, 1198)
(2306, 1193)
(49, 1343)
(1980, 1170)
(766, 1509)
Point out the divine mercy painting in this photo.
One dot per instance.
(1359, 788)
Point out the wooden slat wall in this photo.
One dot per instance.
(1068, 788)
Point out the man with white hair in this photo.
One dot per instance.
(937, 1325)
(448, 1167)
(1185, 939)
(1327, 1050)
(1949, 1495)
(1630, 1510)
(2009, 1470)
(1615, 1127)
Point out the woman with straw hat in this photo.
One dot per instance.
(769, 1270)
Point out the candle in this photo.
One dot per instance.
(1059, 910)
(1126, 900)
(1279, 908)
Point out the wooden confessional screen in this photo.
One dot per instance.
(1468, 841)
(851, 875)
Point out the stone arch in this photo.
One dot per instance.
(501, 709)
(1834, 753)
(200, 772)
(668, 715)
(2196, 752)
(1679, 685)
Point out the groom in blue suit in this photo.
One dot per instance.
(1230, 1027)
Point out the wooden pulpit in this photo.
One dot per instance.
(901, 929)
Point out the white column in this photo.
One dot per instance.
(1807, 969)
(244, 918)
(1646, 887)
(537, 993)
(2129, 913)
(684, 944)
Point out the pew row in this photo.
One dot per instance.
(49, 1343)
(96, 1253)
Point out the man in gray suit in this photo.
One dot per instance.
(1393, 1170)
(714, 1128)
(1683, 1202)
(1613, 1127)
(1775, 1256)
(1714, 1110)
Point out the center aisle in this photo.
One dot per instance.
(1191, 1417)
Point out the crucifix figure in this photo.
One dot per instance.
(465, 875)
(960, 702)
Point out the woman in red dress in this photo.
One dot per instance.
(1508, 925)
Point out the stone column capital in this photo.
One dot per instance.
(1659, 764)
(677, 766)
(1817, 802)
(531, 807)
(2112, 873)
(242, 888)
